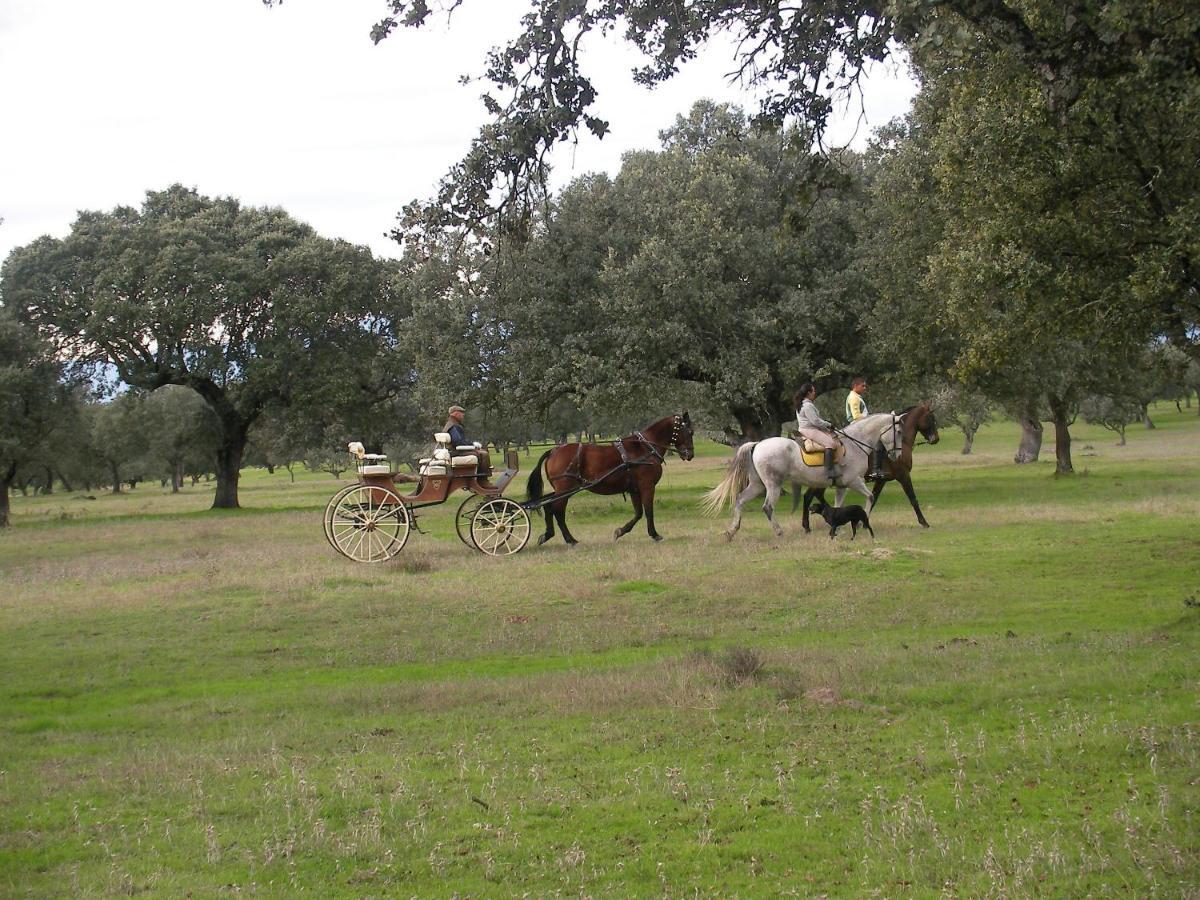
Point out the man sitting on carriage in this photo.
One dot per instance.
(454, 427)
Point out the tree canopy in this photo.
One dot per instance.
(246, 306)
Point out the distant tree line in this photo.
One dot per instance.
(1025, 241)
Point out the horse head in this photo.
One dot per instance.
(926, 423)
(681, 435)
(920, 419)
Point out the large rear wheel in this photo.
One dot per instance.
(327, 516)
(368, 524)
(500, 527)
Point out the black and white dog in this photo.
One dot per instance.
(836, 517)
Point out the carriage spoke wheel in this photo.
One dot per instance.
(327, 516)
(368, 523)
(500, 527)
(462, 519)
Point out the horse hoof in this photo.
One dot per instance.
(542, 539)
(924, 524)
(617, 534)
(728, 536)
(656, 537)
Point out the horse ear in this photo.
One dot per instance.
(685, 416)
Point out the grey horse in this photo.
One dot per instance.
(770, 464)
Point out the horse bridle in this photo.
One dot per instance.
(897, 443)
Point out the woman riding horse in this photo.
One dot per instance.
(630, 465)
(915, 420)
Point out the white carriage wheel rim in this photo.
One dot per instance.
(464, 517)
(369, 544)
(500, 527)
(327, 516)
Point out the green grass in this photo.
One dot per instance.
(1004, 704)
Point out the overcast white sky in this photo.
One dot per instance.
(291, 106)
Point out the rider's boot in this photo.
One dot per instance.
(876, 472)
(831, 471)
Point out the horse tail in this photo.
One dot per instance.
(534, 487)
(732, 484)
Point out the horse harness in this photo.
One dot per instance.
(575, 469)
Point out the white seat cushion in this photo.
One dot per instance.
(375, 470)
(442, 437)
(424, 462)
(441, 454)
(432, 469)
(471, 460)
(470, 448)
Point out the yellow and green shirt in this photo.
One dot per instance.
(856, 406)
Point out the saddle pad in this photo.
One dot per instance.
(817, 457)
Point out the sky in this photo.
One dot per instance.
(292, 106)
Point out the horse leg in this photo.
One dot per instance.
(636, 497)
(858, 486)
(560, 513)
(808, 499)
(773, 491)
(796, 501)
(649, 503)
(749, 492)
(906, 483)
(875, 492)
(549, 525)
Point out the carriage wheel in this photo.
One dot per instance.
(462, 519)
(327, 516)
(368, 523)
(500, 527)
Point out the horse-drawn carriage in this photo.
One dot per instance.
(370, 521)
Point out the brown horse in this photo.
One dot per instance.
(914, 420)
(631, 465)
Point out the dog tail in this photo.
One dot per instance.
(732, 484)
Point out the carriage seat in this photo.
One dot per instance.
(375, 469)
(470, 460)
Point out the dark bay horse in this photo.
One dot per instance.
(915, 420)
(631, 465)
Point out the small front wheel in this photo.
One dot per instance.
(500, 527)
(368, 523)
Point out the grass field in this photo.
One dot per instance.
(1005, 704)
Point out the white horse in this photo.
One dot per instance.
(770, 464)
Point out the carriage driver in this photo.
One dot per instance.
(810, 425)
(454, 427)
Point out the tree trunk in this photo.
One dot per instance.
(968, 440)
(116, 477)
(66, 484)
(1031, 437)
(49, 481)
(1121, 432)
(177, 476)
(270, 468)
(6, 480)
(1062, 438)
(229, 466)
(1146, 420)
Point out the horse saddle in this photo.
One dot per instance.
(814, 454)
